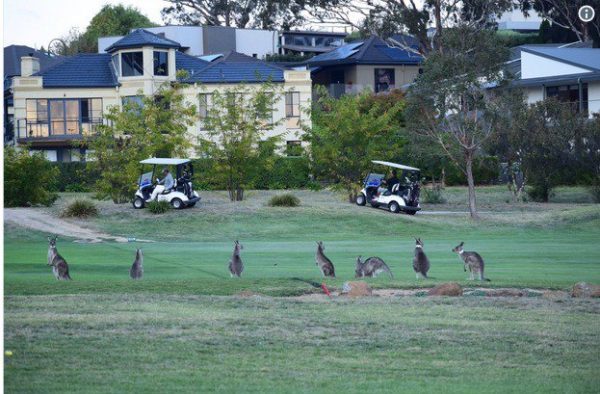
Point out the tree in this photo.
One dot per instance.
(347, 133)
(111, 20)
(588, 155)
(28, 178)
(450, 102)
(564, 14)
(156, 127)
(237, 127)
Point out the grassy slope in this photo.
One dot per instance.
(165, 331)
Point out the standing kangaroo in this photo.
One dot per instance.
(60, 268)
(472, 260)
(137, 269)
(236, 266)
(420, 261)
(323, 262)
(371, 267)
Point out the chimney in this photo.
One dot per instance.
(29, 65)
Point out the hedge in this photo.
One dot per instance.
(75, 177)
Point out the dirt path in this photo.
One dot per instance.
(36, 219)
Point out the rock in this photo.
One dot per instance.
(447, 289)
(356, 289)
(583, 289)
(506, 293)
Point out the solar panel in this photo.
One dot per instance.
(342, 52)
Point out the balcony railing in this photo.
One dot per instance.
(62, 129)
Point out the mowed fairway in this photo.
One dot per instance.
(184, 325)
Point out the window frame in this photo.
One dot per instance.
(141, 64)
(49, 119)
(290, 105)
(154, 65)
(392, 83)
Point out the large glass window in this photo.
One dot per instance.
(116, 64)
(46, 117)
(132, 64)
(57, 116)
(385, 79)
(292, 104)
(37, 119)
(161, 63)
(569, 94)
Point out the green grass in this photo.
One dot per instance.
(174, 328)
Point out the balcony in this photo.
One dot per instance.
(55, 133)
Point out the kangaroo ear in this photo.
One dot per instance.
(461, 243)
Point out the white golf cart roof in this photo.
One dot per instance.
(165, 162)
(395, 165)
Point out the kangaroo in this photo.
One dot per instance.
(137, 269)
(472, 260)
(371, 267)
(323, 262)
(236, 266)
(420, 261)
(60, 268)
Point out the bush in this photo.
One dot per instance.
(29, 179)
(80, 209)
(433, 195)
(158, 207)
(540, 192)
(594, 190)
(284, 200)
(75, 177)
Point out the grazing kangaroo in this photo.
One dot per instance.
(472, 260)
(137, 269)
(325, 265)
(371, 267)
(420, 261)
(236, 266)
(60, 268)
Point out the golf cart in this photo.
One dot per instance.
(403, 196)
(181, 195)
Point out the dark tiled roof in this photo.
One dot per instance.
(12, 61)
(189, 63)
(140, 38)
(236, 68)
(372, 51)
(83, 70)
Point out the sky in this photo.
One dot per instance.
(36, 22)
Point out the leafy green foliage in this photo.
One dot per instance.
(235, 140)
(158, 207)
(29, 179)
(80, 208)
(157, 128)
(75, 176)
(284, 200)
(347, 133)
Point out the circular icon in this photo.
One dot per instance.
(586, 13)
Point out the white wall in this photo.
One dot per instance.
(593, 97)
(534, 66)
(187, 36)
(260, 42)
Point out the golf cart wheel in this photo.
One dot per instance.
(177, 203)
(138, 203)
(361, 200)
(394, 207)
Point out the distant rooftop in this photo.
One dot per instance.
(142, 37)
(315, 33)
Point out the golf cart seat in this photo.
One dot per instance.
(395, 188)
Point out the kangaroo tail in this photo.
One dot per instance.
(389, 271)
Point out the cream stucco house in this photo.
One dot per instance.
(61, 104)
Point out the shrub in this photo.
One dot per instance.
(540, 192)
(80, 208)
(433, 195)
(594, 190)
(158, 207)
(76, 176)
(29, 179)
(284, 200)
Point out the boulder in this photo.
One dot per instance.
(447, 289)
(356, 289)
(583, 289)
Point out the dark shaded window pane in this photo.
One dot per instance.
(293, 148)
(385, 79)
(161, 63)
(132, 64)
(569, 94)
(292, 104)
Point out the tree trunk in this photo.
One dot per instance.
(471, 183)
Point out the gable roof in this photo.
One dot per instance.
(588, 58)
(371, 51)
(189, 63)
(235, 67)
(82, 70)
(140, 38)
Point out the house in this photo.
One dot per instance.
(203, 40)
(370, 64)
(12, 68)
(309, 42)
(64, 103)
(569, 73)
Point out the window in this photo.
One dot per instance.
(132, 64)
(62, 116)
(37, 118)
(205, 103)
(292, 104)
(133, 102)
(570, 94)
(116, 64)
(161, 63)
(384, 79)
(293, 148)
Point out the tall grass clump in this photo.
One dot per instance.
(284, 200)
(433, 195)
(80, 208)
(158, 207)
